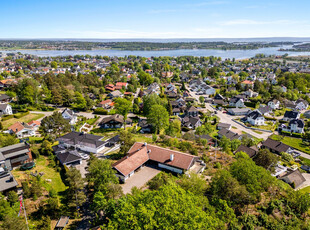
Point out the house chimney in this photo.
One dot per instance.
(171, 157)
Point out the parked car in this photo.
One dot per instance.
(305, 167)
(85, 156)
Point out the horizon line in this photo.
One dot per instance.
(156, 38)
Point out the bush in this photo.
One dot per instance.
(299, 135)
(7, 117)
(101, 111)
(19, 115)
(286, 133)
(250, 104)
(270, 118)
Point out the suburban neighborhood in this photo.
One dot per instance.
(115, 125)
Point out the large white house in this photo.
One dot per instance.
(301, 104)
(6, 109)
(274, 104)
(82, 141)
(69, 115)
(295, 126)
(255, 118)
(21, 130)
(236, 102)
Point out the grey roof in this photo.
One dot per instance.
(239, 110)
(116, 93)
(4, 97)
(275, 145)
(3, 106)
(7, 182)
(224, 125)
(250, 151)
(15, 150)
(75, 138)
(254, 115)
(2, 158)
(264, 109)
(69, 111)
(294, 177)
(69, 157)
(229, 134)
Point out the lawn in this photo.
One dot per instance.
(49, 173)
(293, 142)
(305, 190)
(268, 126)
(143, 138)
(92, 120)
(26, 119)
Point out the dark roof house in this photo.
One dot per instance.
(276, 146)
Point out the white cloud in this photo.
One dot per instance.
(254, 22)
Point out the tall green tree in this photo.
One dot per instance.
(76, 195)
(54, 125)
(158, 117)
(123, 106)
(126, 140)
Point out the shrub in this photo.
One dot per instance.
(285, 133)
(101, 111)
(19, 115)
(299, 135)
(7, 117)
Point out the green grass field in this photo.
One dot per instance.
(26, 119)
(293, 142)
(49, 173)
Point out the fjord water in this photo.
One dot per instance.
(224, 54)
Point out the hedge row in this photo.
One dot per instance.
(101, 111)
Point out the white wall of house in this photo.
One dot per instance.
(170, 168)
(273, 105)
(258, 121)
(296, 129)
(89, 149)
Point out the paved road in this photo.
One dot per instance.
(302, 154)
(85, 114)
(226, 118)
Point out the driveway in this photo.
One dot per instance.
(307, 182)
(140, 178)
(82, 168)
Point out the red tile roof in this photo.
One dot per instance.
(16, 127)
(247, 82)
(38, 123)
(140, 153)
(132, 161)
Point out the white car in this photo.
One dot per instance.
(85, 156)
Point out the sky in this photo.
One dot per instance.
(108, 19)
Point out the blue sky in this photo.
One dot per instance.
(154, 19)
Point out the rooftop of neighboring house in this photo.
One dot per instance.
(251, 151)
(75, 138)
(275, 145)
(18, 126)
(229, 134)
(294, 177)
